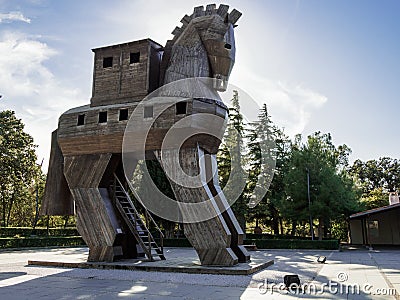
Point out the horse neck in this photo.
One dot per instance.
(188, 58)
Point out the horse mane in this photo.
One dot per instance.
(199, 11)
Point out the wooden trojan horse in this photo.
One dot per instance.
(85, 175)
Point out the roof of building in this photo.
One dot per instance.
(127, 44)
(375, 210)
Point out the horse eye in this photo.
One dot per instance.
(228, 46)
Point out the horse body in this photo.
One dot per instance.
(85, 157)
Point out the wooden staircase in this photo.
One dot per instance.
(138, 225)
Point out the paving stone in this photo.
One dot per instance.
(19, 281)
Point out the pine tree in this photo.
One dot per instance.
(230, 162)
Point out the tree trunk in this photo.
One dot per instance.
(48, 224)
(66, 218)
(327, 229)
(320, 228)
(242, 222)
(275, 220)
(169, 228)
(294, 225)
(281, 225)
(10, 208)
(4, 213)
(348, 231)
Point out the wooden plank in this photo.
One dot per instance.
(85, 171)
(237, 234)
(234, 16)
(87, 150)
(95, 138)
(211, 9)
(211, 238)
(124, 80)
(95, 220)
(198, 11)
(223, 10)
(186, 20)
(57, 199)
(177, 31)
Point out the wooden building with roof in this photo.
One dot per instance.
(378, 226)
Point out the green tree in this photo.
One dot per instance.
(19, 172)
(159, 178)
(332, 195)
(265, 138)
(375, 174)
(376, 178)
(277, 193)
(230, 160)
(161, 181)
(374, 199)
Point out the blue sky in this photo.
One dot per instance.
(332, 66)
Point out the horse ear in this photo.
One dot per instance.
(226, 19)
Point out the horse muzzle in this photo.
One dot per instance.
(220, 82)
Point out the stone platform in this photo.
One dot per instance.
(181, 260)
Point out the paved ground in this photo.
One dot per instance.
(180, 260)
(375, 273)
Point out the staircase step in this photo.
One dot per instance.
(152, 244)
(130, 214)
(123, 200)
(128, 208)
(136, 223)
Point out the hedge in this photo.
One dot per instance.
(270, 244)
(293, 244)
(41, 242)
(262, 236)
(29, 231)
(181, 242)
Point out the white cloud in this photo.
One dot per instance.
(147, 18)
(290, 105)
(13, 16)
(29, 87)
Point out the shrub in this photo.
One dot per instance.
(29, 231)
(293, 244)
(181, 242)
(270, 243)
(41, 242)
(254, 236)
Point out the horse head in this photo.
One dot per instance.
(203, 47)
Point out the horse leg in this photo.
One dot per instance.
(237, 234)
(211, 238)
(94, 219)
